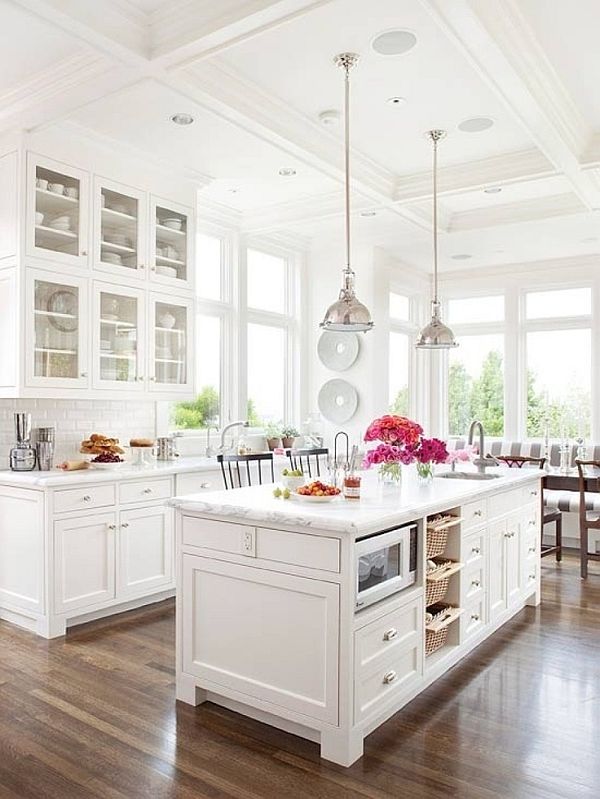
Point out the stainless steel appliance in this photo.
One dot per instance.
(166, 448)
(22, 455)
(386, 563)
(44, 446)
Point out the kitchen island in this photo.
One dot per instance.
(268, 622)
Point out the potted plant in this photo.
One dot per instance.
(288, 435)
(273, 436)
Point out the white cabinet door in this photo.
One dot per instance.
(84, 561)
(120, 229)
(118, 353)
(56, 333)
(513, 560)
(170, 325)
(235, 617)
(497, 568)
(171, 243)
(145, 550)
(57, 211)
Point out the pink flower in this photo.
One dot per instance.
(395, 430)
(431, 450)
(457, 455)
(387, 453)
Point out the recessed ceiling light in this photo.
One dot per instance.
(368, 213)
(396, 100)
(182, 119)
(463, 256)
(493, 190)
(233, 191)
(394, 42)
(287, 172)
(475, 124)
(329, 118)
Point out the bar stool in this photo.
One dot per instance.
(259, 458)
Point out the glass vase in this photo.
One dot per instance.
(390, 474)
(425, 472)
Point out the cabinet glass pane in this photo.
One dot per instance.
(119, 234)
(118, 337)
(56, 314)
(171, 243)
(170, 345)
(56, 211)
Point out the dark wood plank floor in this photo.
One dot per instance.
(93, 715)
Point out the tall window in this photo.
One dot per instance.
(401, 393)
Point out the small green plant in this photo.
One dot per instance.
(272, 430)
(289, 431)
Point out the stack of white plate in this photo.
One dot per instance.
(173, 222)
(60, 223)
(112, 258)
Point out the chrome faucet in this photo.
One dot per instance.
(226, 429)
(481, 462)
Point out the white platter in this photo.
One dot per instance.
(338, 351)
(305, 498)
(337, 400)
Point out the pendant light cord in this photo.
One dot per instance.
(347, 159)
(435, 224)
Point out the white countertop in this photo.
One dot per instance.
(60, 479)
(378, 508)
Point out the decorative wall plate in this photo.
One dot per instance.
(338, 351)
(338, 400)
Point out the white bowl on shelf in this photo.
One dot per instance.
(173, 223)
(72, 192)
(39, 218)
(112, 258)
(56, 188)
(42, 184)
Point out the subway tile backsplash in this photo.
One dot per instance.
(77, 419)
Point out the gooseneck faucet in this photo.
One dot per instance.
(481, 462)
(227, 428)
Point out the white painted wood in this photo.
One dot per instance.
(9, 377)
(145, 550)
(220, 536)
(194, 482)
(106, 220)
(380, 640)
(513, 559)
(474, 619)
(146, 490)
(312, 551)
(232, 642)
(9, 177)
(22, 578)
(84, 554)
(474, 514)
(84, 498)
(183, 379)
(497, 568)
(180, 240)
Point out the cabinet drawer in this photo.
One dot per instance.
(530, 573)
(145, 490)
(385, 636)
(473, 548)
(531, 493)
(383, 679)
(84, 498)
(501, 504)
(473, 581)
(239, 539)
(298, 549)
(473, 514)
(474, 617)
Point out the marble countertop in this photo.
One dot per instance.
(59, 479)
(378, 508)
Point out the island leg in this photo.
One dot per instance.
(187, 691)
(343, 747)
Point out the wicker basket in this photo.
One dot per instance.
(436, 542)
(436, 591)
(435, 640)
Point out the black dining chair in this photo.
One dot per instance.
(307, 460)
(235, 475)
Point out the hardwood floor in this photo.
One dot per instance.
(93, 715)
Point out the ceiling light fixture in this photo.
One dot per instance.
(287, 172)
(462, 256)
(396, 101)
(329, 118)
(368, 213)
(476, 124)
(394, 42)
(347, 313)
(436, 335)
(493, 190)
(182, 119)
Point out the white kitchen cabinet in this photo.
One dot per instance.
(120, 229)
(505, 571)
(145, 550)
(170, 333)
(84, 557)
(171, 241)
(56, 337)
(57, 224)
(513, 559)
(118, 350)
(236, 617)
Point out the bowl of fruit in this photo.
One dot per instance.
(292, 478)
(316, 492)
(107, 460)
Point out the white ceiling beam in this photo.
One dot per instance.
(499, 43)
(516, 212)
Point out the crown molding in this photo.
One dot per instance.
(279, 239)
(294, 212)
(564, 268)
(213, 212)
(514, 213)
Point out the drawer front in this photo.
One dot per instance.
(145, 490)
(473, 548)
(473, 581)
(298, 549)
(530, 573)
(375, 685)
(531, 494)
(501, 504)
(474, 618)
(84, 498)
(531, 542)
(473, 514)
(195, 482)
(239, 539)
(391, 633)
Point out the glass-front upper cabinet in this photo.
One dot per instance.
(120, 224)
(118, 316)
(171, 241)
(170, 344)
(57, 215)
(56, 331)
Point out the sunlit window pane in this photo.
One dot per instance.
(399, 307)
(205, 408)
(399, 373)
(266, 281)
(562, 302)
(208, 260)
(470, 310)
(266, 374)
(476, 384)
(559, 364)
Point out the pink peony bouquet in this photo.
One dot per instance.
(395, 430)
(387, 453)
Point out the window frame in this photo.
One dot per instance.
(409, 328)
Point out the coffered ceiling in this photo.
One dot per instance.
(257, 74)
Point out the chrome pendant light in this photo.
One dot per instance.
(436, 335)
(347, 314)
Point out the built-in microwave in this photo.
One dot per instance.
(385, 563)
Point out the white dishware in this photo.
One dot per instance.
(107, 466)
(170, 252)
(56, 188)
(338, 351)
(173, 222)
(292, 483)
(112, 258)
(167, 320)
(315, 500)
(167, 271)
(337, 400)
(41, 183)
(39, 218)
(103, 201)
(72, 192)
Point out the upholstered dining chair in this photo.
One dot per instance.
(549, 515)
(588, 519)
(236, 477)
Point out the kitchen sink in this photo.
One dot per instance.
(468, 476)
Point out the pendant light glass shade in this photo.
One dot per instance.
(436, 335)
(347, 313)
